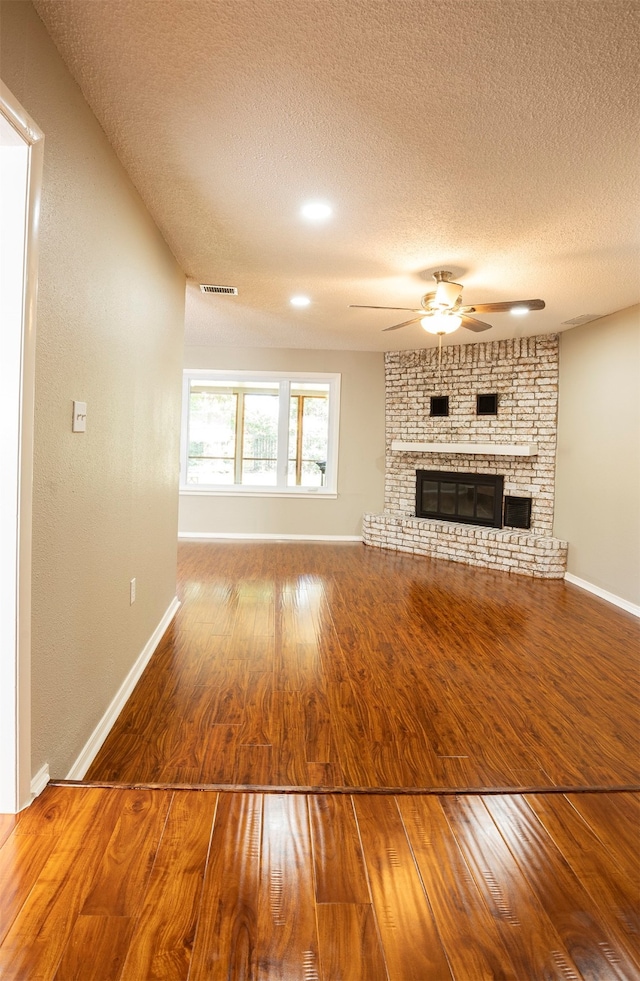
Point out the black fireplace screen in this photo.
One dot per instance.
(471, 498)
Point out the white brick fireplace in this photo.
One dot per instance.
(518, 442)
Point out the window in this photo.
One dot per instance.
(261, 432)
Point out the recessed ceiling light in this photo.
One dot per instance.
(316, 210)
(519, 311)
(300, 301)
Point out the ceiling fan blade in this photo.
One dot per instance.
(503, 307)
(405, 324)
(363, 306)
(475, 325)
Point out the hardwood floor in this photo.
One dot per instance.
(328, 665)
(327, 707)
(133, 885)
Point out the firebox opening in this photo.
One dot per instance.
(469, 498)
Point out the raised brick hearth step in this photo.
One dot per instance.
(521, 552)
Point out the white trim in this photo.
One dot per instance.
(259, 537)
(225, 374)
(624, 604)
(102, 730)
(309, 493)
(282, 463)
(483, 449)
(19, 117)
(15, 705)
(40, 781)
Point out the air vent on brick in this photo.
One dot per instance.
(517, 512)
(228, 290)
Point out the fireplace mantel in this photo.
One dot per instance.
(482, 449)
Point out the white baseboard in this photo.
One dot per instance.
(603, 594)
(40, 780)
(102, 730)
(259, 537)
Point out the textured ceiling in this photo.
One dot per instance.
(495, 138)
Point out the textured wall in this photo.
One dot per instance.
(598, 474)
(109, 332)
(361, 455)
(523, 372)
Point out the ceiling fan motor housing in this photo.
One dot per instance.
(447, 294)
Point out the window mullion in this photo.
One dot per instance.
(282, 465)
(299, 440)
(239, 443)
(333, 434)
(185, 434)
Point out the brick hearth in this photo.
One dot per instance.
(524, 373)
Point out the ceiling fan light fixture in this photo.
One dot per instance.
(441, 311)
(446, 293)
(299, 301)
(441, 323)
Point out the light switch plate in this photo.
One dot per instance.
(79, 424)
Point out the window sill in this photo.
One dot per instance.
(255, 492)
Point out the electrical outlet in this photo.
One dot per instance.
(132, 592)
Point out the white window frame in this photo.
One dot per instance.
(286, 379)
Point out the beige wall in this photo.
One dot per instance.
(598, 434)
(109, 332)
(360, 462)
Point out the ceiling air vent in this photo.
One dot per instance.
(228, 290)
(585, 318)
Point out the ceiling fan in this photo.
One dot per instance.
(442, 311)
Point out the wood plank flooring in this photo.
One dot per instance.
(112, 884)
(374, 689)
(337, 665)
